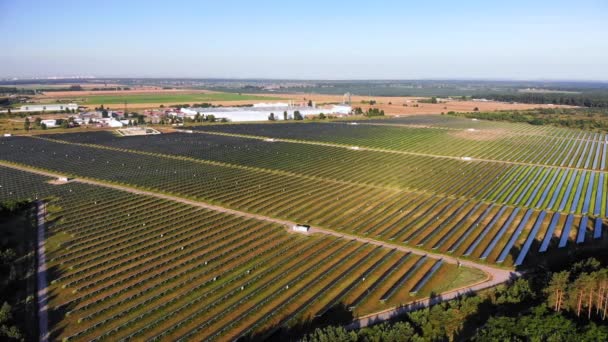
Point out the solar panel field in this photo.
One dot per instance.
(140, 247)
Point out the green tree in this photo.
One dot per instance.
(331, 334)
(556, 291)
(285, 115)
(297, 115)
(6, 329)
(26, 124)
(271, 117)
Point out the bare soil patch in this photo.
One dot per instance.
(480, 134)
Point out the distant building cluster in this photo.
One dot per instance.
(262, 111)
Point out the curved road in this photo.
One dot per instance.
(495, 275)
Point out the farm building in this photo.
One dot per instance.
(261, 111)
(48, 107)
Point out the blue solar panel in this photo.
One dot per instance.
(456, 227)
(588, 194)
(566, 231)
(417, 220)
(579, 190)
(526, 247)
(470, 230)
(598, 196)
(568, 154)
(505, 252)
(598, 155)
(568, 190)
(562, 178)
(582, 229)
(520, 182)
(547, 188)
(589, 155)
(549, 233)
(499, 234)
(489, 193)
(427, 276)
(380, 280)
(536, 189)
(443, 224)
(597, 231)
(391, 291)
(580, 159)
(485, 231)
(530, 183)
(603, 164)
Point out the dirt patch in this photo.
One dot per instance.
(480, 134)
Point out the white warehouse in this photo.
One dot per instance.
(48, 107)
(261, 112)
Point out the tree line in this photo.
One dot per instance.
(588, 99)
(370, 112)
(595, 119)
(17, 266)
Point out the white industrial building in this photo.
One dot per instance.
(49, 123)
(48, 107)
(261, 111)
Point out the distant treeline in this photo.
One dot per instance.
(588, 118)
(589, 99)
(110, 89)
(16, 91)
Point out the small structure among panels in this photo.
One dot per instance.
(301, 228)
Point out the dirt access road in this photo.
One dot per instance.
(495, 275)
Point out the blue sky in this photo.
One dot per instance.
(306, 39)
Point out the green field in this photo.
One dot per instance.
(165, 98)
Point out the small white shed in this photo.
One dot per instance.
(301, 228)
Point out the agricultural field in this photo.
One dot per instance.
(158, 98)
(392, 219)
(127, 266)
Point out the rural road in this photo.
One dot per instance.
(43, 320)
(495, 275)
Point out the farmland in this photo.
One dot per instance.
(156, 98)
(140, 246)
